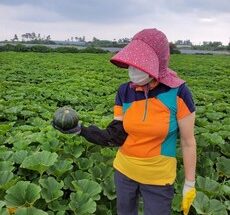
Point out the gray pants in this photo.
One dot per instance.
(157, 199)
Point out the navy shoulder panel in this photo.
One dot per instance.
(185, 94)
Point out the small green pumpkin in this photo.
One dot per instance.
(65, 118)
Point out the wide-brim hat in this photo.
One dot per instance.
(149, 51)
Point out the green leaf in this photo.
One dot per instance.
(59, 205)
(225, 149)
(26, 114)
(209, 154)
(217, 208)
(4, 128)
(51, 145)
(5, 155)
(77, 175)
(23, 194)
(84, 163)
(6, 166)
(19, 156)
(14, 110)
(108, 153)
(208, 186)
(97, 156)
(2, 204)
(75, 150)
(61, 213)
(227, 204)
(60, 167)
(214, 127)
(101, 171)
(5, 178)
(106, 170)
(225, 189)
(27, 128)
(205, 168)
(51, 189)
(40, 161)
(82, 204)
(27, 211)
(213, 138)
(3, 210)
(215, 116)
(204, 205)
(223, 166)
(103, 210)
(109, 188)
(20, 140)
(51, 142)
(224, 134)
(201, 122)
(176, 203)
(96, 172)
(88, 187)
(41, 204)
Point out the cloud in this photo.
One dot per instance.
(104, 11)
(199, 6)
(179, 19)
(207, 20)
(94, 11)
(28, 13)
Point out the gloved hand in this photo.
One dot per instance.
(75, 130)
(189, 194)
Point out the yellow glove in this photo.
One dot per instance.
(189, 194)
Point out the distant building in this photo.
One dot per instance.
(183, 44)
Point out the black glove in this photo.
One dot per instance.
(75, 130)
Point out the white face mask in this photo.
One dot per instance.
(138, 77)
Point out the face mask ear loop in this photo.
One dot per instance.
(146, 91)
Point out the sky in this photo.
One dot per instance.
(197, 20)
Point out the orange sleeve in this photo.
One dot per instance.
(117, 111)
(182, 109)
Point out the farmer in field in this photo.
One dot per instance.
(149, 112)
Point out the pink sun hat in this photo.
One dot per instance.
(149, 52)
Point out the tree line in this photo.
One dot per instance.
(46, 49)
(36, 38)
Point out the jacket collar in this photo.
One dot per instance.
(151, 85)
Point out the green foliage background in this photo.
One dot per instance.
(45, 172)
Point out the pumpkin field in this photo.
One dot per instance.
(45, 172)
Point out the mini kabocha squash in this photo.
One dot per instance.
(65, 118)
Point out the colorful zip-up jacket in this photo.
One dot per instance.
(148, 154)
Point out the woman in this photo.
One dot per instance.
(148, 113)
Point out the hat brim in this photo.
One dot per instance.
(171, 79)
(140, 55)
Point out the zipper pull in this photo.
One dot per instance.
(146, 91)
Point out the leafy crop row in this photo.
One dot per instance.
(45, 172)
